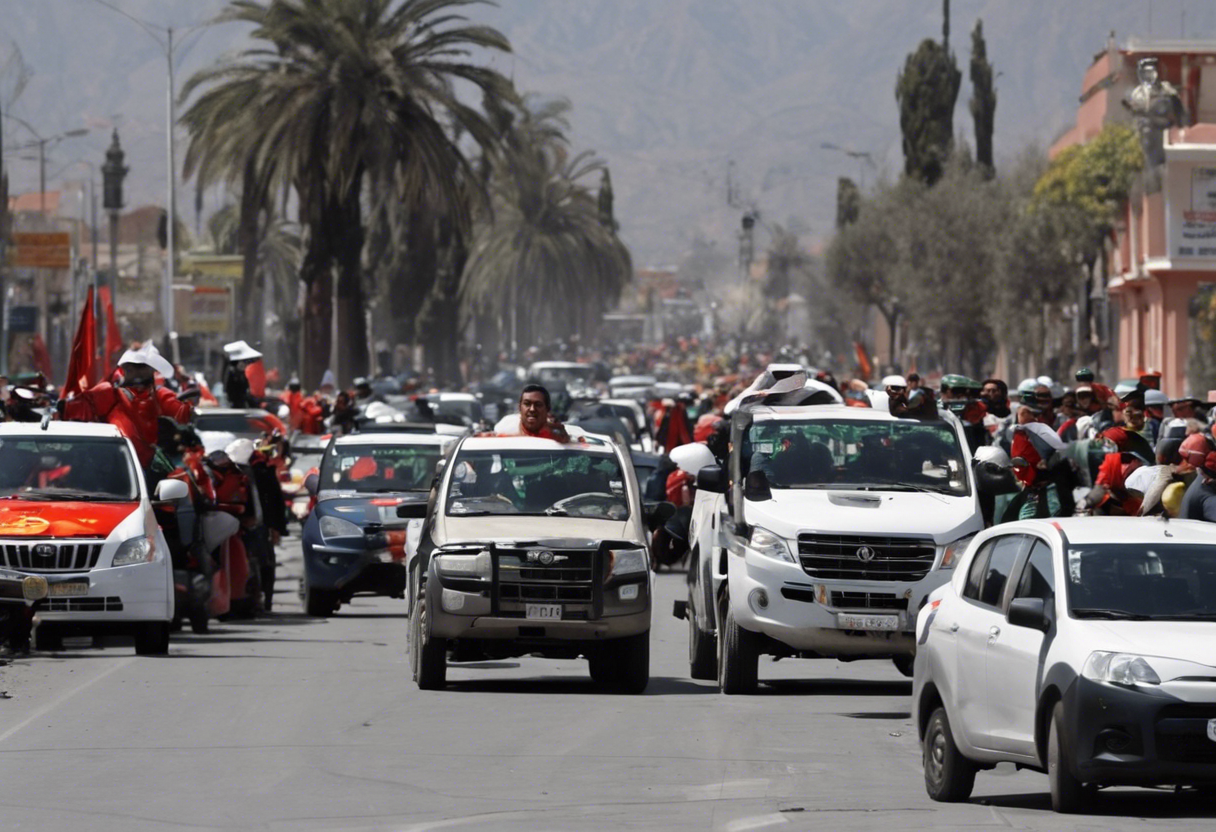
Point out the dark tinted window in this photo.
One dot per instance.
(975, 576)
(1038, 579)
(1000, 564)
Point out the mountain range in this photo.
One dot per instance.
(702, 108)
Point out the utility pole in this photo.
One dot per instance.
(171, 232)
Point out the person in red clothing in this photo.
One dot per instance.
(536, 418)
(135, 406)
(294, 399)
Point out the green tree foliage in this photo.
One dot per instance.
(983, 99)
(1095, 178)
(333, 94)
(927, 90)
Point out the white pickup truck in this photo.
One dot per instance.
(823, 536)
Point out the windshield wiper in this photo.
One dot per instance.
(66, 496)
(473, 512)
(903, 486)
(1099, 612)
(1185, 615)
(554, 511)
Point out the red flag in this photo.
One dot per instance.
(114, 346)
(82, 366)
(42, 358)
(863, 361)
(256, 373)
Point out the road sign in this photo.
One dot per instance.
(203, 310)
(42, 250)
(22, 318)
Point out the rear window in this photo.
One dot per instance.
(67, 468)
(379, 468)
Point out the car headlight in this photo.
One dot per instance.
(135, 550)
(1125, 669)
(954, 551)
(332, 527)
(627, 562)
(764, 542)
(464, 566)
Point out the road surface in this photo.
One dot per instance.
(292, 723)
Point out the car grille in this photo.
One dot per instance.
(50, 556)
(111, 603)
(906, 559)
(569, 581)
(1182, 734)
(868, 601)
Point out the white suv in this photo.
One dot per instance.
(1082, 647)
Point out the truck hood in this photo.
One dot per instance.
(942, 517)
(517, 528)
(35, 518)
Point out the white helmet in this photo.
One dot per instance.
(240, 451)
(993, 454)
(692, 457)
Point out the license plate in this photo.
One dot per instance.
(867, 622)
(72, 588)
(544, 612)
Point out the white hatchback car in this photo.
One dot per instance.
(1081, 647)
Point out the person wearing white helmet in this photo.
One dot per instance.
(236, 384)
(1155, 403)
(135, 406)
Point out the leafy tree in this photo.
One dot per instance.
(336, 93)
(927, 90)
(983, 99)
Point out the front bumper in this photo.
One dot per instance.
(117, 594)
(1143, 736)
(352, 569)
(804, 613)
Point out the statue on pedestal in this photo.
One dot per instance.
(1156, 107)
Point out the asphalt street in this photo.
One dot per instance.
(291, 723)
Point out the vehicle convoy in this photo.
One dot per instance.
(823, 535)
(74, 506)
(354, 538)
(537, 547)
(1082, 647)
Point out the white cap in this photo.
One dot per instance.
(1155, 398)
(894, 381)
(240, 451)
(149, 356)
(240, 351)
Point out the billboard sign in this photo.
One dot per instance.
(42, 250)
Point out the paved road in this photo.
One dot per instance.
(290, 723)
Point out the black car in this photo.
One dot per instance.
(354, 538)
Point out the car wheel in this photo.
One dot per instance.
(702, 649)
(200, 620)
(632, 655)
(600, 665)
(738, 654)
(1068, 794)
(48, 637)
(319, 603)
(949, 776)
(903, 664)
(152, 638)
(428, 655)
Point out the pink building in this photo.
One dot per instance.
(1165, 246)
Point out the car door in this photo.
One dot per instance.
(1015, 659)
(979, 617)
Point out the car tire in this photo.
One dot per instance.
(738, 655)
(48, 638)
(949, 776)
(319, 603)
(904, 664)
(1068, 794)
(200, 620)
(152, 638)
(632, 660)
(428, 655)
(702, 649)
(600, 665)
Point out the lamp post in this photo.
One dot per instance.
(41, 142)
(112, 174)
(860, 155)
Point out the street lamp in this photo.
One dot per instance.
(859, 155)
(41, 143)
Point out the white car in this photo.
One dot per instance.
(74, 506)
(1081, 647)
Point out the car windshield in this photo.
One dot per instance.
(857, 455)
(567, 374)
(570, 483)
(67, 468)
(240, 424)
(1173, 581)
(468, 411)
(379, 468)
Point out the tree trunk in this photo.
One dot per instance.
(315, 330)
(250, 313)
(352, 309)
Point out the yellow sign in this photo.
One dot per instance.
(203, 310)
(42, 250)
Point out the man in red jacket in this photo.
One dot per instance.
(135, 406)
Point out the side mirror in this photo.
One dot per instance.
(756, 487)
(993, 479)
(656, 514)
(1030, 613)
(170, 491)
(712, 478)
(411, 511)
(312, 482)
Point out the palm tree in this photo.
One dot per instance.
(340, 92)
(543, 256)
